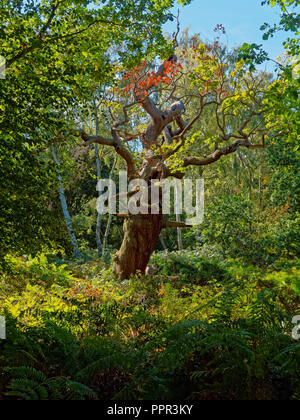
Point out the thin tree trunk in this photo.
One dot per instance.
(98, 169)
(64, 206)
(99, 215)
(260, 189)
(179, 234)
(162, 241)
(248, 167)
(107, 230)
(110, 216)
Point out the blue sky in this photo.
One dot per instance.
(241, 18)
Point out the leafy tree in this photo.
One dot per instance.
(214, 82)
(282, 100)
(57, 52)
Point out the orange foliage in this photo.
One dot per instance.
(140, 82)
(274, 214)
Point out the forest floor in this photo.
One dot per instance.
(202, 328)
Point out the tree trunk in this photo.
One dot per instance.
(64, 207)
(98, 168)
(99, 215)
(179, 234)
(163, 243)
(106, 234)
(141, 233)
(110, 216)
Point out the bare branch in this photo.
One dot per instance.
(88, 140)
(124, 153)
(113, 142)
(258, 146)
(127, 137)
(214, 157)
(175, 35)
(167, 133)
(50, 19)
(186, 129)
(175, 225)
(126, 116)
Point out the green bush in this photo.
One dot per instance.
(19, 272)
(189, 266)
(31, 385)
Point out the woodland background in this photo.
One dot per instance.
(214, 320)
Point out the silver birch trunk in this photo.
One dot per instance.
(98, 169)
(64, 206)
(99, 215)
(162, 241)
(110, 216)
(179, 234)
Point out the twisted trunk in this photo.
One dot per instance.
(141, 233)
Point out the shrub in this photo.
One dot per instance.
(221, 331)
(190, 267)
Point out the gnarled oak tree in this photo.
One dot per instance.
(187, 84)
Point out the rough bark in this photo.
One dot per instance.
(141, 233)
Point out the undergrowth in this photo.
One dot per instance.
(201, 329)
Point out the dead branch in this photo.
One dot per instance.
(175, 225)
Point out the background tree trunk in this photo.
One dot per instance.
(110, 216)
(141, 233)
(99, 215)
(98, 169)
(107, 230)
(64, 206)
(179, 234)
(163, 243)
